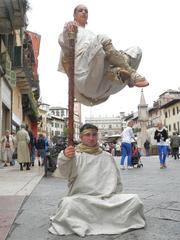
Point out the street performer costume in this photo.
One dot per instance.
(95, 203)
(100, 70)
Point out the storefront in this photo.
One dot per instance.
(5, 106)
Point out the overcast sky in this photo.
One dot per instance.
(152, 24)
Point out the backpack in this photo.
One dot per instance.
(40, 144)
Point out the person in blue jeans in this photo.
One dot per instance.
(41, 149)
(161, 135)
(126, 148)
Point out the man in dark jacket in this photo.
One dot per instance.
(41, 149)
(175, 144)
(147, 147)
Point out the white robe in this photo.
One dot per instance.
(95, 204)
(91, 88)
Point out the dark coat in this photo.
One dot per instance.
(161, 135)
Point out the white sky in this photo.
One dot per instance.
(152, 24)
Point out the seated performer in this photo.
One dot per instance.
(95, 203)
(100, 70)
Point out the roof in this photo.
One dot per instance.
(169, 91)
(174, 101)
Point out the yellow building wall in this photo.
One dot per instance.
(17, 103)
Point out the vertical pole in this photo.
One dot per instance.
(71, 62)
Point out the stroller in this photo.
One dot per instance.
(136, 156)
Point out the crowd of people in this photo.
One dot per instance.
(128, 147)
(23, 147)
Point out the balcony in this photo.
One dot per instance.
(23, 64)
(30, 106)
(12, 15)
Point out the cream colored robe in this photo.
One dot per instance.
(7, 151)
(23, 139)
(91, 88)
(95, 204)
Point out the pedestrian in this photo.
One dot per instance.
(161, 135)
(126, 147)
(8, 146)
(23, 154)
(107, 148)
(46, 143)
(95, 203)
(41, 149)
(100, 70)
(175, 144)
(118, 149)
(31, 145)
(147, 147)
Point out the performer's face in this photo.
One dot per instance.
(81, 15)
(89, 139)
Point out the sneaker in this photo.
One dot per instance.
(130, 167)
(161, 167)
(122, 167)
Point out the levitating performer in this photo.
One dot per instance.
(100, 70)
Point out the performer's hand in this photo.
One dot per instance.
(69, 152)
(71, 26)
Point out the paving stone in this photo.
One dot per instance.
(158, 189)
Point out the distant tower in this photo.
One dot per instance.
(143, 119)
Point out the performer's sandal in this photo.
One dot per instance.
(137, 80)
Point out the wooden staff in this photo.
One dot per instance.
(71, 62)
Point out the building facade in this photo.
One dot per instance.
(19, 82)
(108, 126)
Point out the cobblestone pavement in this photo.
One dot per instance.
(159, 189)
(15, 187)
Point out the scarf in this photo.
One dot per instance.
(91, 150)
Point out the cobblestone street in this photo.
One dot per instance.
(159, 190)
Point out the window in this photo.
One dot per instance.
(18, 57)
(57, 133)
(173, 111)
(166, 115)
(178, 127)
(174, 126)
(19, 101)
(169, 127)
(169, 112)
(62, 113)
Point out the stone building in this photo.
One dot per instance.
(19, 81)
(108, 126)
